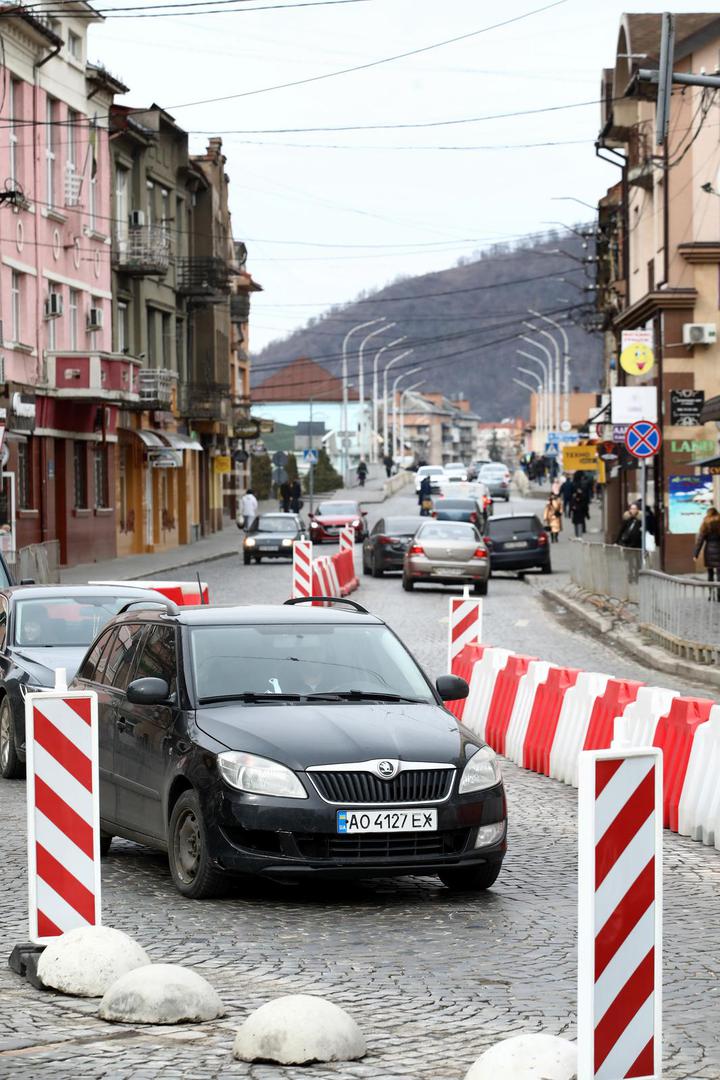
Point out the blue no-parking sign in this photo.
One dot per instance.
(643, 439)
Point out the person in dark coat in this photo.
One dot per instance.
(578, 511)
(630, 534)
(296, 502)
(566, 492)
(285, 495)
(708, 541)
(425, 496)
(388, 463)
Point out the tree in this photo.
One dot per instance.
(261, 476)
(326, 478)
(291, 468)
(494, 448)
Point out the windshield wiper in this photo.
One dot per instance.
(362, 695)
(248, 697)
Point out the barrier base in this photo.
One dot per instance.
(23, 960)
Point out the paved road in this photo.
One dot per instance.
(432, 979)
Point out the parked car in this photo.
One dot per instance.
(448, 508)
(272, 535)
(288, 742)
(497, 477)
(435, 472)
(518, 542)
(447, 553)
(384, 547)
(330, 517)
(44, 627)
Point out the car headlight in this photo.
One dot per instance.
(249, 542)
(314, 525)
(482, 771)
(258, 776)
(287, 543)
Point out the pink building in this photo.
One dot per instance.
(63, 385)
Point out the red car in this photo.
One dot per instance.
(330, 517)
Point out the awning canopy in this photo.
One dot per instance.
(710, 410)
(706, 461)
(180, 442)
(149, 438)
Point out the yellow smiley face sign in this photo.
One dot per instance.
(637, 359)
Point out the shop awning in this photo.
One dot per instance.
(708, 462)
(149, 438)
(180, 442)
(710, 410)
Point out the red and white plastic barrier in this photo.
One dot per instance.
(63, 812)
(302, 569)
(182, 593)
(464, 624)
(328, 575)
(347, 539)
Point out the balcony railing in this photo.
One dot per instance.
(142, 250)
(240, 307)
(205, 401)
(156, 386)
(203, 277)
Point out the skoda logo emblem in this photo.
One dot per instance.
(386, 769)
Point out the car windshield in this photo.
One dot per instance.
(231, 661)
(430, 470)
(337, 509)
(504, 528)
(65, 622)
(489, 470)
(277, 524)
(401, 526)
(450, 530)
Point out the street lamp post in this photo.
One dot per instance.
(556, 378)
(378, 354)
(407, 390)
(400, 356)
(361, 379)
(553, 390)
(543, 398)
(566, 360)
(402, 375)
(344, 410)
(534, 375)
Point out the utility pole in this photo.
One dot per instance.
(311, 477)
(402, 375)
(566, 361)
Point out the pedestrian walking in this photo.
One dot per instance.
(248, 509)
(552, 516)
(578, 511)
(388, 463)
(425, 496)
(707, 543)
(285, 494)
(296, 501)
(566, 492)
(361, 472)
(630, 534)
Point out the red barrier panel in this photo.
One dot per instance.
(619, 693)
(674, 735)
(544, 717)
(344, 564)
(463, 665)
(318, 588)
(182, 593)
(503, 700)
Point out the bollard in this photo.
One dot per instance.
(464, 624)
(347, 539)
(302, 568)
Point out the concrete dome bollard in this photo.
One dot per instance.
(527, 1057)
(86, 961)
(160, 994)
(299, 1029)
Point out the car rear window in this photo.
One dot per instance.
(402, 526)
(505, 528)
(455, 504)
(430, 470)
(337, 509)
(447, 530)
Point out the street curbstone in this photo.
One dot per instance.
(299, 1029)
(160, 994)
(86, 961)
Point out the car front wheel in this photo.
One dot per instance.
(188, 856)
(476, 880)
(377, 571)
(246, 559)
(11, 768)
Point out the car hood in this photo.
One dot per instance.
(41, 664)
(303, 735)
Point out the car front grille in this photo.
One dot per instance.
(357, 788)
(379, 846)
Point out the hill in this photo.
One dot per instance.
(465, 324)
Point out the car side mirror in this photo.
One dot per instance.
(148, 691)
(452, 688)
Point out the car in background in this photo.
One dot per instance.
(44, 627)
(497, 478)
(288, 742)
(272, 536)
(456, 469)
(332, 516)
(454, 488)
(447, 553)
(518, 542)
(435, 472)
(448, 508)
(384, 547)
(475, 466)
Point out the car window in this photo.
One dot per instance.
(447, 530)
(158, 659)
(122, 654)
(504, 528)
(90, 668)
(63, 621)
(402, 526)
(337, 509)
(430, 470)
(276, 523)
(4, 575)
(3, 621)
(378, 528)
(456, 504)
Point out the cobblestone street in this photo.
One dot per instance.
(432, 978)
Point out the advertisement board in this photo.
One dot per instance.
(632, 403)
(580, 457)
(689, 499)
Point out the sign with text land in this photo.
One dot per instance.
(632, 403)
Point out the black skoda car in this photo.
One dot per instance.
(288, 742)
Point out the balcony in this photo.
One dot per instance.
(205, 401)
(205, 279)
(240, 307)
(142, 250)
(91, 376)
(156, 388)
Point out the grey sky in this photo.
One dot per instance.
(373, 211)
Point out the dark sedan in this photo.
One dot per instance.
(272, 535)
(384, 548)
(451, 509)
(518, 542)
(44, 627)
(331, 517)
(289, 742)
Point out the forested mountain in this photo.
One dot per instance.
(464, 323)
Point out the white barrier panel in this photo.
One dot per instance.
(347, 538)
(333, 578)
(637, 725)
(699, 809)
(535, 676)
(464, 624)
(620, 914)
(573, 723)
(482, 685)
(302, 569)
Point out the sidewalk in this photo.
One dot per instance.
(219, 545)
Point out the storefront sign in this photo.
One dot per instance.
(165, 459)
(247, 429)
(693, 447)
(636, 352)
(580, 457)
(690, 497)
(686, 406)
(631, 403)
(222, 464)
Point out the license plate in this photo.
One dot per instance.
(449, 571)
(386, 821)
(514, 544)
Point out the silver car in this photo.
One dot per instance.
(447, 553)
(497, 477)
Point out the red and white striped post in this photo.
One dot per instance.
(464, 624)
(347, 538)
(63, 811)
(620, 914)
(302, 569)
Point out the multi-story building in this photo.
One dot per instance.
(435, 429)
(243, 286)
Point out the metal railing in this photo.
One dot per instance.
(607, 569)
(155, 387)
(203, 277)
(682, 614)
(142, 249)
(39, 562)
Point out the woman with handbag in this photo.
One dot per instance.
(708, 541)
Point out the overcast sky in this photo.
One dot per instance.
(329, 214)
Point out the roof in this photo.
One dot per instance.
(73, 592)
(257, 614)
(299, 381)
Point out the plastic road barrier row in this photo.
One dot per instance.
(182, 593)
(541, 716)
(328, 575)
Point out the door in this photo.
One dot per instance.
(143, 746)
(91, 676)
(119, 659)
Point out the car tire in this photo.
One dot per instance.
(407, 583)
(246, 560)
(192, 872)
(377, 571)
(11, 768)
(366, 569)
(258, 559)
(106, 840)
(546, 568)
(480, 588)
(477, 879)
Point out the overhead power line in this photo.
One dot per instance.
(201, 8)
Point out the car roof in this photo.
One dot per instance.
(78, 592)
(252, 614)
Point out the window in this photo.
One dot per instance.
(100, 471)
(93, 668)
(180, 348)
(75, 45)
(80, 474)
(72, 178)
(16, 305)
(122, 654)
(167, 340)
(3, 621)
(24, 477)
(164, 210)
(50, 143)
(121, 328)
(151, 337)
(53, 290)
(122, 219)
(150, 201)
(73, 305)
(14, 110)
(158, 659)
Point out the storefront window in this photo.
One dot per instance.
(101, 477)
(80, 474)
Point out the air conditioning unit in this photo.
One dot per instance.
(95, 318)
(137, 218)
(695, 333)
(53, 306)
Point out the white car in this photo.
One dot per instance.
(456, 469)
(435, 472)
